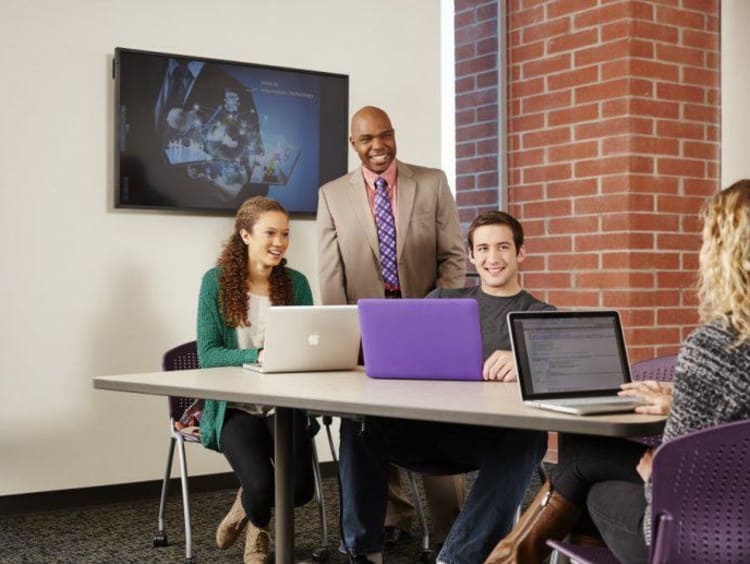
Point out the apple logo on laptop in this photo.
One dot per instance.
(313, 340)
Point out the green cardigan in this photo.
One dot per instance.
(217, 345)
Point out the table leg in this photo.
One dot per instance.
(284, 500)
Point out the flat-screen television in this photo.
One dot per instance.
(200, 134)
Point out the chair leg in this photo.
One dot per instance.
(420, 513)
(555, 556)
(161, 535)
(327, 422)
(320, 554)
(185, 501)
(541, 473)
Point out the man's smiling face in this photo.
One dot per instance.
(496, 259)
(374, 139)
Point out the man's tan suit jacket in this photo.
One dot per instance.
(429, 245)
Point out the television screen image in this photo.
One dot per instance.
(201, 134)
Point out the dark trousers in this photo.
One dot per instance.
(505, 459)
(599, 473)
(617, 509)
(247, 443)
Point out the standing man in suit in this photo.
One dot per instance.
(388, 229)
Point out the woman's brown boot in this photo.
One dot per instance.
(257, 544)
(550, 516)
(232, 525)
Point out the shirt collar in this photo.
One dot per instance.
(390, 175)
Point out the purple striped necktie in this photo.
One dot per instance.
(386, 234)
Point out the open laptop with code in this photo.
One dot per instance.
(571, 361)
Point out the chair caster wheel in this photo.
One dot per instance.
(161, 539)
(426, 557)
(321, 555)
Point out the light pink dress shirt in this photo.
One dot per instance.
(391, 177)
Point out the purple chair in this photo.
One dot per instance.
(701, 500)
(660, 369)
(185, 357)
(182, 357)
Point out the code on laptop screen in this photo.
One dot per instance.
(572, 354)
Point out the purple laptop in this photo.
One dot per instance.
(421, 339)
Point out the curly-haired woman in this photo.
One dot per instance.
(711, 386)
(234, 298)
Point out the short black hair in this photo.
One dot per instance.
(496, 218)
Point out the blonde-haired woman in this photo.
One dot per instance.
(711, 386)
(234, 298)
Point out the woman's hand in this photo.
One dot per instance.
(645, 465)
(658, 396)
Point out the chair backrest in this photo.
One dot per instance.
(660, 369)
(182, 357)
(701, 497)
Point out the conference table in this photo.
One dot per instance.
(348, 393)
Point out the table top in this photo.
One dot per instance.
(353, 393)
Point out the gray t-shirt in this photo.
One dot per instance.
(493, 313)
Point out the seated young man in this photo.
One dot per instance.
(505, 458)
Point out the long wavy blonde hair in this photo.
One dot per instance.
(724, 278)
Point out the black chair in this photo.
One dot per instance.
(185, 357)
(443, 470)
(426, 469)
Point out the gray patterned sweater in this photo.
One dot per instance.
(711, 386)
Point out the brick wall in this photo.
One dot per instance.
(477, 142)
(613, 128)
(613, 124)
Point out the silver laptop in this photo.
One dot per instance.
(310, 338)
(572, 361)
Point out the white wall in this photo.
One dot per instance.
(89, 290)
(735, 87)
(448, 91)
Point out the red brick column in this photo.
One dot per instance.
(613, 146)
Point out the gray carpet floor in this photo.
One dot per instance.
(122, 533)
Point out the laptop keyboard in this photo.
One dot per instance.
(599, 400)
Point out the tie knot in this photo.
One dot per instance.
(380, 182)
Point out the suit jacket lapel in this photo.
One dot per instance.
(361, 207)
(407, 191)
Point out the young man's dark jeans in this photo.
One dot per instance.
(505, 459)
